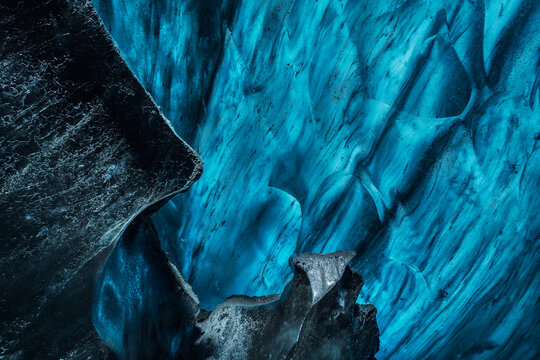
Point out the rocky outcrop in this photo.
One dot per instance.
(83, 149)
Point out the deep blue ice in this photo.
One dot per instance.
(408, 131)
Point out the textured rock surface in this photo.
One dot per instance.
(83, 149)
(407, 130)
(144, 309)
(316, 317)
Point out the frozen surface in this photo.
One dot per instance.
(143, 308)
(405, 130)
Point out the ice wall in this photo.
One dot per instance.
(405, 130)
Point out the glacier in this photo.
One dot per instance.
(405, 130)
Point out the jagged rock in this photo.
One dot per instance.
(316, 317)
(337, 327)
(144, 309)
(83, 149)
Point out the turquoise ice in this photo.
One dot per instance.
(406, 130)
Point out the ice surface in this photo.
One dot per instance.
(405, 130)
(144, 309)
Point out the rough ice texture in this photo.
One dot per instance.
(83, 149)
(407, 130)
(144, 309)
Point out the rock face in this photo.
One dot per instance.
(144, 309)
(316, 317)
(83, 149)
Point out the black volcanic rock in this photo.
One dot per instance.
(83, 149)
(316, 317)
(337, 327)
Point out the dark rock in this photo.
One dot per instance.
(337, 327)
(83, 149)
(316, 317)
